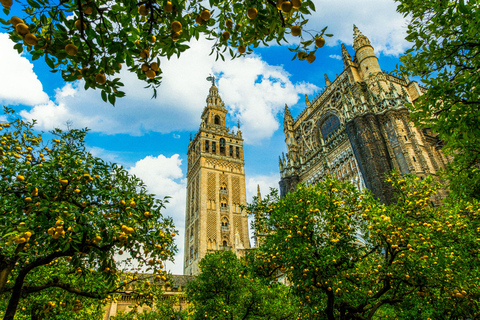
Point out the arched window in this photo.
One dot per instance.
(206, 145)
(214, 147)
(231, 151)
(224, 243)
(329, 127)
(217, 120)
(222, 146)
(224, 222)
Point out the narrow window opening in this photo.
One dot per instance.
(217, 120)
(414, 160)
(406, 139)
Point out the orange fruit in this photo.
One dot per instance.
(15, 20)
(30, 39)
(88, 10)
(279, 4)
(175, 36)
(143, 10)
(22, 29)
(296, 4)
(154, 66)
(319, 42)
(71, 49)
(296, 30)
(311, 57)
(229, 23)
(6, 3)
(301, 55)
(168, 7)
(225, 35)
(78, 25)
(242, 49)
(176, 26)
(205, 15)
(144, 54)
(145, 67)
(287, 6)
(150, 74)
(199, 20)
(100, 78)
(252, 13)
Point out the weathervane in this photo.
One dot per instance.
(212, 79)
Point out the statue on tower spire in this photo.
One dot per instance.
(212, 79)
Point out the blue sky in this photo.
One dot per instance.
(150, 137)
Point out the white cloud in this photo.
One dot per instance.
(253, 89)
(18, 83)
(265, 182)
(376, 19)
(335, 56)
(164, 177)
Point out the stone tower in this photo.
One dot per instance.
(215, 188)
(358, 129)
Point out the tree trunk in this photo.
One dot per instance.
(15, 297)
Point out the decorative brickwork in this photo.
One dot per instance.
(218, 189)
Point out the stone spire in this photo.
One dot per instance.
(259, 195)
(327, 81)
(347, 59)
(359, 40)
(213, 98)
(287, 115)
(307, 101)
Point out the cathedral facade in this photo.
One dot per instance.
(358, 129)
(215, 188)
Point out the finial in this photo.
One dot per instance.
(212, 79)
(307, 101)
(327, 81)
(238, 124)
(259, 196)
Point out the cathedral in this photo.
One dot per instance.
(358, 129)
(215, 188)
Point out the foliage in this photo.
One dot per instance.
(348, 256)
(165, 310)
(92, 39)
(65, 214)
(445, 54)
(226, 290)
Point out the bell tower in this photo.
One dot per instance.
(215, 188)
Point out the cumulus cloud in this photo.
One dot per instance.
(163, 176)
(335, 56)
(254, 90)
(265, 182)
(376, 19)
(18, 82)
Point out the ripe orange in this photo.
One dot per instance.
(279, 4)
(229, 23)
(176, 26)
(242, 49)
(296, 30)
(168, 7)
(154, 66)
(319, 42)
(145, 67)
(22, 29)
(143, 10)
(15, 20)
(71, 49)
(252, 13)
(78, 25)
(88, 10)
(144, 54)
(30, 39)
(199, 20)
(175, 36)
(205, 15)
(287, 6)
(302, 55)
(311, 57)
(296, 4)
(6, 3)
(226, 35)
(100, 78)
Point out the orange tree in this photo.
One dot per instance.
(64, 214)
(347, 256)
(92, 39)
(225, 289)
